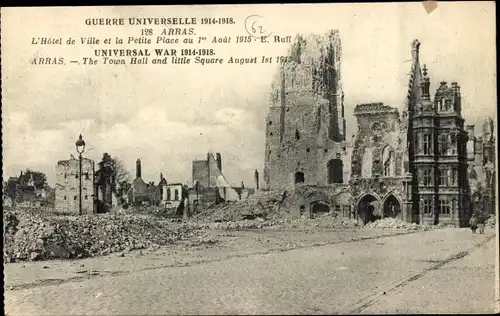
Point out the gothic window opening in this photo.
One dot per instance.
(176, 198)
(427, 206)
(271, 134)
(367, 163)
(388, 161)
(427, 144)
(346, 212)
(76, 176)
(270, 123)
(299, 177)
(87, 176)
(416, 143)
(443, 177)
(337, 209)
(447, 105)
(169, 195)
(74, 198)
(444, 206)
(86, 197)
(427, 178)
(297, 134)
(453, 176)
(443, 144)
(391, 206)
(442, 105)
(65, 197)
(453, 143)
(473, 174)
(302, 209)
(335, 171)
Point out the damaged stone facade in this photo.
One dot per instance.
(376, 162)
(481, 173)
(305, 127)
(411, 166)
(208, 174)
(68, 186)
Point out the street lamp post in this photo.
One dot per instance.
(80, 148)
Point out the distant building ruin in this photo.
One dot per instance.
(67, 188)
(210, 186)
(481, 158)
(140, 192)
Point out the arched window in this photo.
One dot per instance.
(299, 177)
(367, 163)
(176, 195)
(335, 171)
(388, 161)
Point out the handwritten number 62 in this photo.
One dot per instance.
(254, 30)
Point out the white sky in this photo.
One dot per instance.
(170, 115)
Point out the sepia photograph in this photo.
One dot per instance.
(261, 159)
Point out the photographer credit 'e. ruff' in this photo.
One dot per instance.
(250, 159)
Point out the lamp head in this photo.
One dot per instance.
(80, 145)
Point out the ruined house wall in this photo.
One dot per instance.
(481, 165)
(300, 201)
(68, 186)
(378, 127)
(201, 173)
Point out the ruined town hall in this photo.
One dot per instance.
(422, 165)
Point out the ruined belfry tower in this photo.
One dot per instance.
(305, 126)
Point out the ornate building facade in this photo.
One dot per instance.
(411, 166)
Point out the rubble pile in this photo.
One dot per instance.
(235, 225)
(263, 204)
(145, 210)
(393, 223)
(32, 236)
(491, 222)
(266, 209)
(328, 221)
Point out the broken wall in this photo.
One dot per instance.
(378, 127)
(67, 190)
(305, 123)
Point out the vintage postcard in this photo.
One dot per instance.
(250, 159)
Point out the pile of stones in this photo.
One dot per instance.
(31, 236)
(257, 223)
(393, 223)
(263, 204)
(491, 222)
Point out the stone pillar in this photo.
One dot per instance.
(138, 168)
(185, 211)
(256, 179)
(407, 207)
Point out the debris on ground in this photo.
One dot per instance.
(491, 222)
(31, 236)
(394, 223)
(263, 204)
